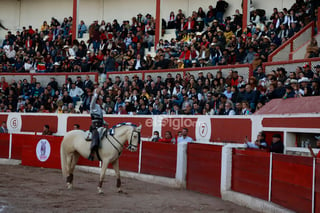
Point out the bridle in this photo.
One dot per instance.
(130, 146)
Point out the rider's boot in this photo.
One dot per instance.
(91, 156)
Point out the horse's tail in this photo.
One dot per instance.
(63, 157)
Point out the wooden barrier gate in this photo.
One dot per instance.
(204, 168)
(250, 173)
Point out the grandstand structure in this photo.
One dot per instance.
(286, 112)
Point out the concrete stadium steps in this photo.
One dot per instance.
(152, 52)
(169, 34)
(85, 38)
(300, 52)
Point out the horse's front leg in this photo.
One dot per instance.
(102, 174)
(115, 165)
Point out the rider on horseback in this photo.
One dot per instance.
(97, 121)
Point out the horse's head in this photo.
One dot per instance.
(134, 139)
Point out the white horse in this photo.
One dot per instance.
(74, 144)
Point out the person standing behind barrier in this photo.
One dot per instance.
(184, 136)
(76, 127)
(3, 128)
(260, 143)
(155, 137)
(277, 145)
(46, 130)
(167, 138)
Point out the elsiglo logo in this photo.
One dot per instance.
(43, 150)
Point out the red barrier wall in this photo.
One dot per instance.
(129, 161)
(230, 130)
(292, 182)
(159, 159)
(250, 172)
(204, 168)
(85, 162)
(4, 145)
(31, 154)
(317, 186)
(18, 141)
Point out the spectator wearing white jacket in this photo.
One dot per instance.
(75, 93)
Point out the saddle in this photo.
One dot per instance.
(101, 130)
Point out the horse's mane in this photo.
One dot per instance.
(111, 130)
(124, 123)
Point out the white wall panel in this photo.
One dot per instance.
(90, 10)
(34, 12)
(9, 16)
(125, 10)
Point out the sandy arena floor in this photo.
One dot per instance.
(29, 189)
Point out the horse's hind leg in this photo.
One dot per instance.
(115, 165)
(69, 179)
(72, 164)
(102, 174)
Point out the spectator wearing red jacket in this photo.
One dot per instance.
(234, 78)
(185, 56)
(3, 84)
(31, 31)
(167, 138)
(28, 42)
(189, 25)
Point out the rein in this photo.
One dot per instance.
(122, 145)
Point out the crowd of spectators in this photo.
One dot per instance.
(202, 40)
(189, 95)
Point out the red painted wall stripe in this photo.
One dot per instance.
(85, 123)
(230, 130)
(3, 117)
(204, 168)
(311, 122)
(31, 123)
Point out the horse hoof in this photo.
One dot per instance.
(69, 185)
(100, 191)
(120, 191)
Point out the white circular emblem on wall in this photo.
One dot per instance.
(203, 129)
(43, 150)
(14, 123)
